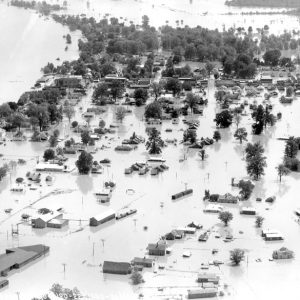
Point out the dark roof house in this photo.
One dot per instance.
(121, 268)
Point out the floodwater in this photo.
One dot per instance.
(83, 249)
(28, 42)
(123, 240)
(205, 13)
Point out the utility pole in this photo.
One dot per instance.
(103, 242)
(64, 265)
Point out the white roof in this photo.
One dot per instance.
(104, 215)
(45, 166)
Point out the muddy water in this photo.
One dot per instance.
(122, 240)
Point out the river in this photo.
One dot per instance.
(27, 43)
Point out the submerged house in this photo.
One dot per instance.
(208, 277)
(102, 218)
(145, 262)
(283, 253)
(49, 220)
(228, 198)
(120, 268)
(16, 258)
(202, 293)
(158, 249)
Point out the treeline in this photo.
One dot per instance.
(110, 35)
(42, 7)
(264, 3)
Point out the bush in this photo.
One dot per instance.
(292, 163)
(74, 124)
(49, 154)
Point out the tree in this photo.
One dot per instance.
(225, 217)
(85, 137)
(153, 110)
(5, 110)
(100, 91)
(202, 154)
(223, 119)
(69, 39)
(154, 143)
(282, 170)
(74, 124)
(116, 89)
(289, 91)
(156, 89)
(259, 221)
(217, 136)
(53, 141)
(236, 256)
(241, 134)
(209, 66)
(136, 278)
(120, 113)
(145, 21)
(49, 154)
(173, 85)
(246, 187)
(101, 123)
(69, 112)
(17, 120)
(140, 94)
(190, 136)
(272, 57)
(237, 119)
(291, 147)
(191, 100)
(3, 171)
(256, 165)
(84, 162)
(253, 149)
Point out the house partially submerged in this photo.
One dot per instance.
(228, 198)
(120, 268)
(158, 249)
(16, 258)
(283, 253)
(49, 220)
(202, 293)
(102, 218)
(145, 262)
(271, 235)
(208, 277)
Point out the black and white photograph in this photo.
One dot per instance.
(149, 149)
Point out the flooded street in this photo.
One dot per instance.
(74, 246)
(77, 251)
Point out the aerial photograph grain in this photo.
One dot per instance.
(149, 149)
